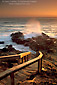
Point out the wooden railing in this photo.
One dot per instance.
(22, 56)
(12, 70)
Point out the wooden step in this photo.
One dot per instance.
(25, 73)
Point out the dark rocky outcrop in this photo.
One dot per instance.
(43, 42)
(17, 35)
(1, 42)
(8, 50)
(18, 38)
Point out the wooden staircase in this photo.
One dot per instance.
(21, 72)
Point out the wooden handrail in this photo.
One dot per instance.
(24, 54)
(10, 56)
(17, 56)
(12, 70)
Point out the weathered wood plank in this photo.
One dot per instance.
(12, 78)
(20, 76)
(24, 72)
(19, 60)
(11, 57)
(24, 54)
(25, 58)
(40, 65)
(2, 57)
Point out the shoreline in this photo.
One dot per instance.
(48, 76)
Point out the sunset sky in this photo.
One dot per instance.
(38, 8)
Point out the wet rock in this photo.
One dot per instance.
(44, 35)
(1, 42)
(18, 38)
(8, 50)
(43, 42)
(26, 44)
(51, 51)
(4, 49)
(17, 35)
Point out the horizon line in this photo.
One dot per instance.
(31, 17)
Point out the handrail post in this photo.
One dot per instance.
(12, 78)
(19, 60)
(25, 58)
(39, 65)
(22, 60)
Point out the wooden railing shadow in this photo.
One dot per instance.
(24, 57)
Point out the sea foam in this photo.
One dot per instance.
(33, 28)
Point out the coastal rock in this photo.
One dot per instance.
(43, 42)
(17, 35)
(1, 42)
(51, 50)
(44, 35)
(18, 38)
(4, 49)
(8, 50)
(26, 44)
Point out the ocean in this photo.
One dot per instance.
(30, 27)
